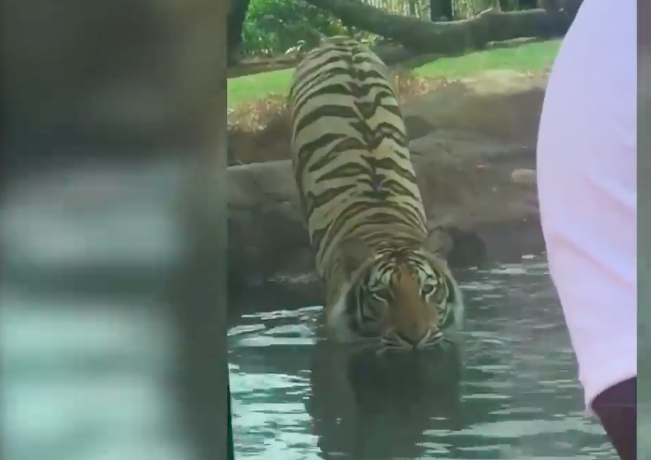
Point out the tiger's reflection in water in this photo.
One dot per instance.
(373, 407)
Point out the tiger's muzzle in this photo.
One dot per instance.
(394, 339)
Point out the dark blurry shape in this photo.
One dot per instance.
(116, 80)
(617, 409)
(231, 445)
(201, 310)
(526, 4)
(468, 249)
(368, 407)
(236, 19)
(440, 9)
(113, 149)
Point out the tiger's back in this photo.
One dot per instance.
(357, 185)
(350, 150)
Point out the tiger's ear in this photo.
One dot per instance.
(354, 253)
(438, 241)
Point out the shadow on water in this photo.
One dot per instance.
(357, 400)
(510, 392)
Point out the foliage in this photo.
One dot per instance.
(464, 9)
(276, 26)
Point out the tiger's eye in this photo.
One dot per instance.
(428, 289)
(434, 293)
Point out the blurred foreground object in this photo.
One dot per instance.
(112, 299)
(587, 173)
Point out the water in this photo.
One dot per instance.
(518, 396)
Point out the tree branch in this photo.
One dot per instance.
(448, 37)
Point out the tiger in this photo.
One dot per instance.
(362, 206)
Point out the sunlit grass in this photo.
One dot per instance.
(530, 57)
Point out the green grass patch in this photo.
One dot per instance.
(251, 88)
(530, 57)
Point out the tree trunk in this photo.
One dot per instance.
(527, 4)
(439, 9)
(551, 6)
(450, 37)
(236, 18)
(413, 10)
(447, 9)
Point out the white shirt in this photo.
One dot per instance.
(587, 185)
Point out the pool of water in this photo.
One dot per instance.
(515, 394)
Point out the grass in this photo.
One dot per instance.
(529, 57)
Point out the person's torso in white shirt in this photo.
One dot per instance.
(587, 184)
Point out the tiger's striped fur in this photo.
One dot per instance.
(362, 204)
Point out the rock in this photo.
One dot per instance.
(467, 249)
(265, 224)
(470, 170)
(417, 127)
(502, 104)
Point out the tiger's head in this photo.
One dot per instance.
(395, 298)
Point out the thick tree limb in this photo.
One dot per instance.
(448, 37)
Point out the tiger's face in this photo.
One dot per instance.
(402, 301)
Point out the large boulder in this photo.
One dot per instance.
(473, 148)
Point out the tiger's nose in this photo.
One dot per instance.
(418, 337)
(413, 337)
